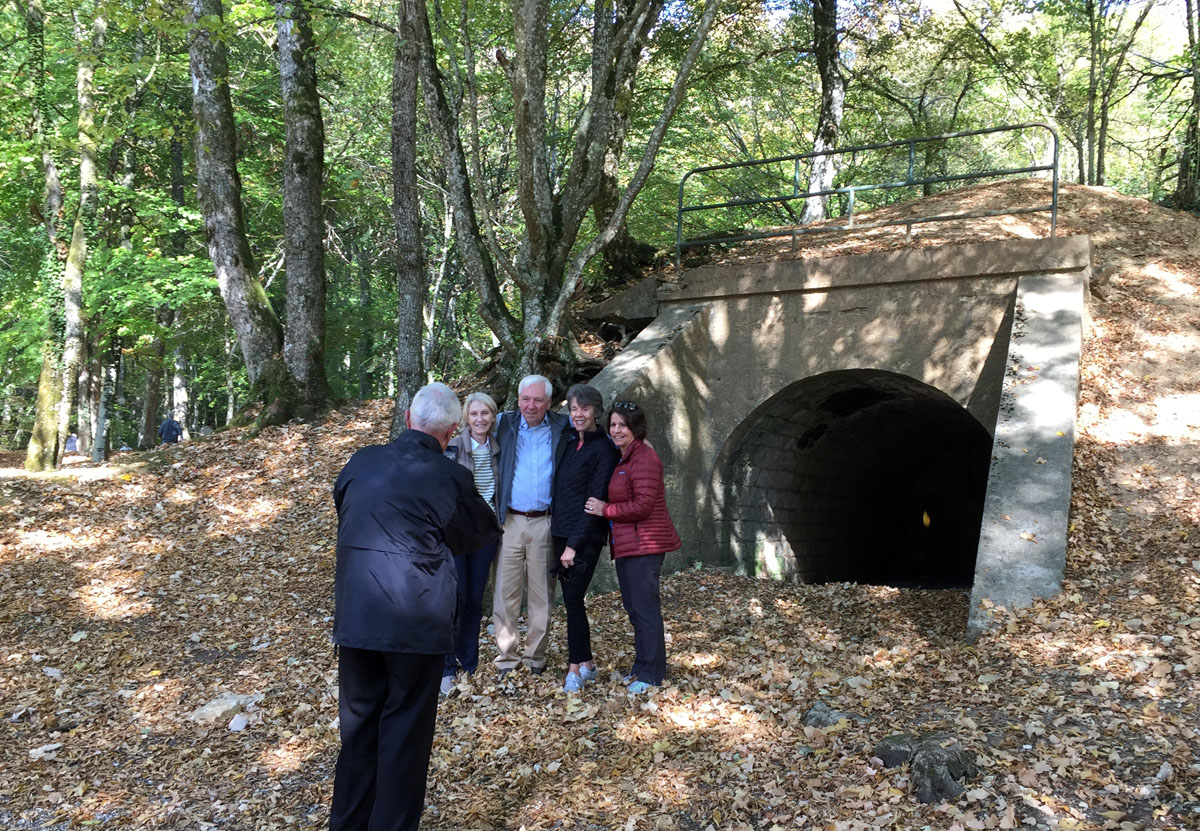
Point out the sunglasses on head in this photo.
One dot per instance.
(625, 405)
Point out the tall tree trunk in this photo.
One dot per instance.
(42, 452)
(430, 313)
(406, 213)
(147, 436)
(176, 243)
(624, 255)
(100, 447)
(91, 377)
(1094, 36)
(179, 392)
(1081, 151)
(121, 411)
(1102, 141)
(231, 402)
(259, 332)
(366, 339)
(7, 394)
(85, 221)
(303, 219)
(1187, 185)
(833, 101)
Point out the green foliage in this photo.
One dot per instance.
(911, 71)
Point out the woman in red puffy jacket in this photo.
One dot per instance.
(642, 534)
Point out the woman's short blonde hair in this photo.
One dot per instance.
(471, 399)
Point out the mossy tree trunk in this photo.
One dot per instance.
(554, 199)
(91, 45)
(219, 186)
(43, 442)
(406, 213)
(303, 216)
(42, 451)
(833, 102)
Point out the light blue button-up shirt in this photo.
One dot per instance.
(534, 470)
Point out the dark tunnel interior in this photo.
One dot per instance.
(862, 476)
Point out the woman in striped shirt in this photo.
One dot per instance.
(475, 448)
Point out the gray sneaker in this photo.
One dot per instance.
(586, 673)
(574, 683)
(447, 684)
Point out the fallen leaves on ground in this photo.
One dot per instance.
(139, 592)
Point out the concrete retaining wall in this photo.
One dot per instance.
(721, 373)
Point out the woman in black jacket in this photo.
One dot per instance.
(584, 471)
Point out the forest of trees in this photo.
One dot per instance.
(216, 209)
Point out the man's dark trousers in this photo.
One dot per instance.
(387, 703)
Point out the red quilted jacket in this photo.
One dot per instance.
(637, 505)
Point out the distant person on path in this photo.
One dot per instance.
(72, 444)
(170, 431)
(531, 442)
(642, 534)
(479, 452)
(587, 465)
(404, 510)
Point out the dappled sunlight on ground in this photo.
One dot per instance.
(44, 541)
(137, 595)
(114, 597)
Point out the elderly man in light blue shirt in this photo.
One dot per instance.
(531, 442)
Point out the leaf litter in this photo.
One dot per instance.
(139, 592)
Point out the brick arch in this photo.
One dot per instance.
(833, 477)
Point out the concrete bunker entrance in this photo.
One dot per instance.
(855, 475)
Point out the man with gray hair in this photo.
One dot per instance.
(531, 443)
(404, 511)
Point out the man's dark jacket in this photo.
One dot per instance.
(404, 510)
(506, 434)
(170, 431)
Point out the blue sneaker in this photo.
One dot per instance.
(586, 673)
(574, 683)
(638, 687)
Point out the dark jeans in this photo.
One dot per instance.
(574, 588)
(638, 578)
(473, 570)
(387, 703)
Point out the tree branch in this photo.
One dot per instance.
(349, 15)
(643, 172)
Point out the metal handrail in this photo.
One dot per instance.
(851, 190)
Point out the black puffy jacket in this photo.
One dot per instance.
(582, 472)
(404, 510)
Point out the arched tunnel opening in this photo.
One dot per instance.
(858, 475)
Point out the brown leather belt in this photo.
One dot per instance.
(530, 514)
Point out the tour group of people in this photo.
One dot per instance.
(529, 495)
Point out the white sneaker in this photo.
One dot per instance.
(574, 682)
(447, 684)
(587, 673)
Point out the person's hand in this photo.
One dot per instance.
(594, 506)
(568, 557)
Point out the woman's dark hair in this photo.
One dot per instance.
(586, 395)
(632, 415)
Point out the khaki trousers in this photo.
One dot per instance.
(524, 561)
